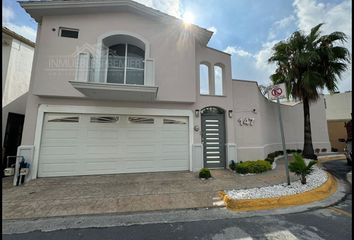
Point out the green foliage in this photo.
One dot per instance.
(299, 167)
(258, 166)
(307, 63)
(204, 173)
(232, 165)
(270, 160)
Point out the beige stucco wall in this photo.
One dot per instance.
(171, 46)
(255, 142)
(338, 106)
(336, 130)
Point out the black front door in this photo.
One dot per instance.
(213, 137)
(12, 138)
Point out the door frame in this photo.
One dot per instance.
(44, 108)
(221, 112)
(9, 114)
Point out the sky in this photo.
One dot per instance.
(247, 29)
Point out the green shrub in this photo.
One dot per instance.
(298, 150)
(232, 165)
(278, 153)
(299, 167)
(204, 173)
(270, 160)
(291, 151)
(253, 166)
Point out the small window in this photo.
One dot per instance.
(104, 119)
(69, 32)
(204, 79)
(142, 120)
(63, 119)
(218, 80)
(173, 121)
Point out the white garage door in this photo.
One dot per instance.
(85, 144)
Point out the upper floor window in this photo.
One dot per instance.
(126, 64)
(218, 77)
(68, 32)
(204, 79)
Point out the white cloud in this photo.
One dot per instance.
(238, 51)
(171, 7)
(280, 26)
(23, 30)
(262, 58)
(213, 29)
(336, 18)
(7, 14)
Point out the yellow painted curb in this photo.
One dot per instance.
(317, 194)
(331, 158)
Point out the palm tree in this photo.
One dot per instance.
(307, 64)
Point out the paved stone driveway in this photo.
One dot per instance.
(63, 196)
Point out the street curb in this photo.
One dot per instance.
(326, 158)
(324, 191)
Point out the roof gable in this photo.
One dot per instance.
(38, 9)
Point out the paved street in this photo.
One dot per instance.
(333, 222)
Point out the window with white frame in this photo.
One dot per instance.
(126, 64)
(204, 79)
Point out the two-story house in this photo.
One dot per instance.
(118, 87)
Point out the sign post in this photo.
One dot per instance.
(277, 92)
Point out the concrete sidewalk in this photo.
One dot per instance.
(123, 193)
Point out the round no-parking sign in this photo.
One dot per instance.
(277, 91)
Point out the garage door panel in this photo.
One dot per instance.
(85, 148)
(103, 134)
(60, 134)
(58, 150)
(136, 135)
(60, 143)
(101, 149)
(58, 169)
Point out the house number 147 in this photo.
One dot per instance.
(246, 121)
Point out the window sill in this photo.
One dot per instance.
(209, 95)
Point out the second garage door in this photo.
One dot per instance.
(86, 144)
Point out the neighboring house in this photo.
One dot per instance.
(17, 57)
(338, 112)
(118, 87)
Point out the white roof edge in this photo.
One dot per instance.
(38, 5)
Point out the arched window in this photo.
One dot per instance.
(218, 80)
(123, 56)
(204, 79)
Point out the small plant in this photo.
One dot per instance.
(317, 150)
(204, 173)
(258, 166)
(298, 150)
(232, 165)
(324, 150)
(299, 167)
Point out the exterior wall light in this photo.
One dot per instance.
(196, 113)
(254, 111)
(230, 113)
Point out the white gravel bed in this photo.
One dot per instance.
(313, 180)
